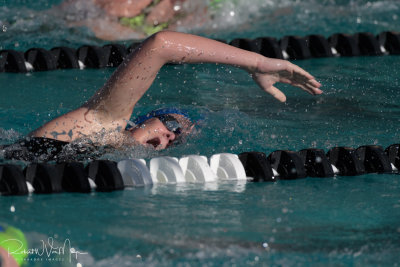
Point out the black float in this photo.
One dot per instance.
(115, 53)
(268, 46)
(346, 160)
(374, 159)
(296, 47)
(319, 46)
(44, 177)
(74, 177)
(316, 163)
(257, 166)
(393, 152)
(390, 41)
(345, 44)
(12, 61)
(40, 59)
(368, 44)
(65, 58)
(288, 164)
(92, 56)
(12, 180)
(106, 175)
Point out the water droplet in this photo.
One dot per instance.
(314, 144)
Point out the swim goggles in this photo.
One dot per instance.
(157, 113)
(169, 121)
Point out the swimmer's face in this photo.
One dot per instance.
(161, 132)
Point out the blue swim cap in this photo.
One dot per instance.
(155, 113)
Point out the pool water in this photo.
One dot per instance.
(341, 221)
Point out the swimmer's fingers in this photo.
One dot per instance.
(311, 87)
(271, 71)
(275, 92)
(266, 82)
(298, 77)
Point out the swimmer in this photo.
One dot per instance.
(137, 19)
(103, 120)
(110, 108)
(130, 19)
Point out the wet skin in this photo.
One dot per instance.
(153, 133)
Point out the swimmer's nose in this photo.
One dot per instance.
(170, 136)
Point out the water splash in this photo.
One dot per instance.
(9, 135)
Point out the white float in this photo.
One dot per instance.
(135, 172)
(227, 167)
(166, 170)
(196, 169)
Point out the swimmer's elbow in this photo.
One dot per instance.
(159, 39)
(161, 42)
(162, 36)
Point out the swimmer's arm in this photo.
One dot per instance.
(116, 100)
(111, 106)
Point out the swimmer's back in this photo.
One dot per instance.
(46, 149)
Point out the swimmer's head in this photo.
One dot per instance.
(161, 128)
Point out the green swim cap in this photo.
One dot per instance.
(139, 23)
(14, 242)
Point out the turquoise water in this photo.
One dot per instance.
(345, 221)
(310, 222)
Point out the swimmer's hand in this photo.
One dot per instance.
(270, 71)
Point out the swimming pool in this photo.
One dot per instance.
(345, 221)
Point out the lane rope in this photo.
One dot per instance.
(106, 175)
(288, 47)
